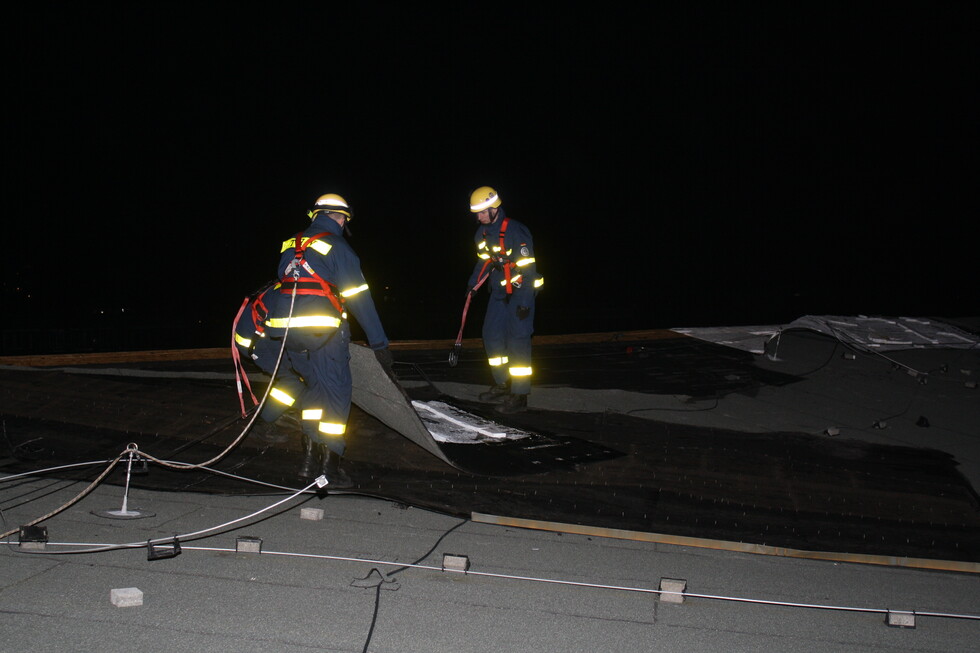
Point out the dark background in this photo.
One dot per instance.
(694, 165)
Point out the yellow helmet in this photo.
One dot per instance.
(483, 198)
(330, 203)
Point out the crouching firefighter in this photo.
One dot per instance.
(251, 343)
(320, 282)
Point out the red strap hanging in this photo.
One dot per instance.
(240, 372)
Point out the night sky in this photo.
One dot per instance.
(695, 165)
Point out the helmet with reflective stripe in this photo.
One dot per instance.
(331, 203)
(483, 198)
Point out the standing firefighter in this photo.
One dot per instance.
(506, 266)
(321, 281)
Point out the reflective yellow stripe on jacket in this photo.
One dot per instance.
(317, 246)
(304, 321)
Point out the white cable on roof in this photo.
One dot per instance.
(558, 581)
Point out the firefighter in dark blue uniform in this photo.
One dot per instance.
(252, 344)
(321, 280)
(507, 267)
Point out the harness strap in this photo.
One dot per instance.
(501, 259)
(259, 313)
(240, 372)
(508, 264)
(313, 284)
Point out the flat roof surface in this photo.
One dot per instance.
(779, 489)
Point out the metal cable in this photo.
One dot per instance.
(570, 583)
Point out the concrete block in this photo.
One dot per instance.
(898, 619)
(315, 514)
(33, 546)
(247, 544)
(672, 590)
(126, 597)
(455, 562)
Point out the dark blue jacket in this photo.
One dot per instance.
(335, 261)
(518, 248)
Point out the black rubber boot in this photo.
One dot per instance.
(513, 404)
(313, 461)
(496, 394)
(337, 477)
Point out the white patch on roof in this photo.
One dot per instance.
(874, 333)
(888, 333)
(747, 338)
(450, 424)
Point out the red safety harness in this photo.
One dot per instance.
(506, 265)
(313, 284)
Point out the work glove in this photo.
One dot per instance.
(523, 312)
(384, 357)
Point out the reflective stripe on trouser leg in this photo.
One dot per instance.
(282, 396)
(498, 367)
(495, 339)
(266, 355)
(332, 435)
(326, 401)
(520, 379)
(286, 393)
(519, 346)
(318, 425)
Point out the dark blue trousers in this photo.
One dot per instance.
(325, 403)
(507, 341)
